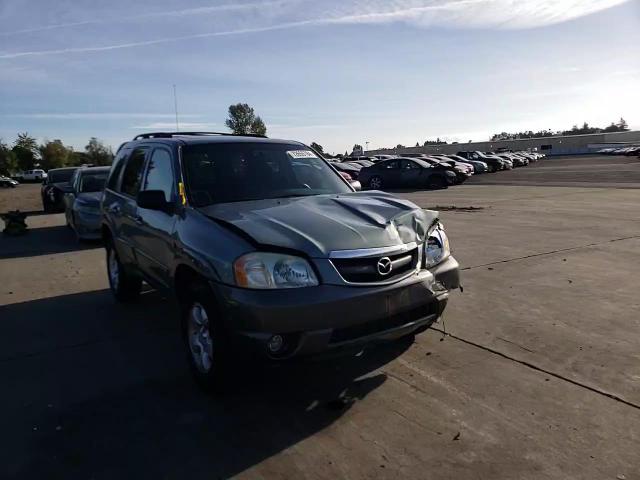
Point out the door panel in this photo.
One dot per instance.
(126, 209)
(154, 236)
(390, 173)
(409, 173)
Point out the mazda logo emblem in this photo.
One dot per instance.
(385, 266)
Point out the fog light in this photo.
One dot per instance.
(275, 343)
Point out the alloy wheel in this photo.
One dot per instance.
(199, 338)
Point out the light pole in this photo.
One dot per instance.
(367, 146)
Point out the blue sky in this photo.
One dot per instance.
(336, 72)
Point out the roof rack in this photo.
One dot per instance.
(143, 136)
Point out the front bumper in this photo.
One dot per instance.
(330, 318)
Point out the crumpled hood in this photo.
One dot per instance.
(90, 198)
(320, 224)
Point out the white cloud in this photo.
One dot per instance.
(264, 17)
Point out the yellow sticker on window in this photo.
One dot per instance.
(183, 195)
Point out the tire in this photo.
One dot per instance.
(124, 286)
(375, 183)
(437, 182)
(204, 338)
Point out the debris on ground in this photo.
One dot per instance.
(15, 222)
(453, 208)
(457, 437)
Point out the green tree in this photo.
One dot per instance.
(97, 153)
(243, 120)
(317, 147)
(54, 155)
(25, 149)
(8, 164)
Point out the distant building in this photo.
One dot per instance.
(560, 145)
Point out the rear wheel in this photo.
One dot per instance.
(375, 183)
(204, 338)
(124, 286)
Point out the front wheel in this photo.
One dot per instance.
(124, 286)
(375, 183)
(437, 182)
(204, 339)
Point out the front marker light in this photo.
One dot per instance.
(267, 271)
(436, 248)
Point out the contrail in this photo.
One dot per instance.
(158, 41)
(171, 13)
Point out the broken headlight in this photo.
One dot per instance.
(436, 248)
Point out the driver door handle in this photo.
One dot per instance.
(114, 209)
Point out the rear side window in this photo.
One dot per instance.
(408, 165)
(132, 176)
(160, 173)
(391, 164)
(114, 175)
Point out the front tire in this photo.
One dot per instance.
(375, 183)
(124, 286)
(204, 339)
(437, 182)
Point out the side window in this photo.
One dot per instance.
(392, 165)
(407, 165)
(160, 173)
(114, 174)
(132, 176)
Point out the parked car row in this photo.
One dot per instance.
(427, 170)
(629, 151)
(76, 191)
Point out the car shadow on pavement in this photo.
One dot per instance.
(116, 400)
(42, 241)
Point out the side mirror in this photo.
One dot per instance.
(152, 200)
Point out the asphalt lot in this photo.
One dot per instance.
(540, 377)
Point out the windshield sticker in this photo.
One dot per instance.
(301, 154)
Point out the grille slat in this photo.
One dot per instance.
(365, 269)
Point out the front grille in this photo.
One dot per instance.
(365, 270)
(394, 321)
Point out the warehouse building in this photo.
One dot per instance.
(560, 145)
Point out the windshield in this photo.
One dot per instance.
(60, 176)
(92, 182)
(236, 172)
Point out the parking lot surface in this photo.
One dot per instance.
(539, 377)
